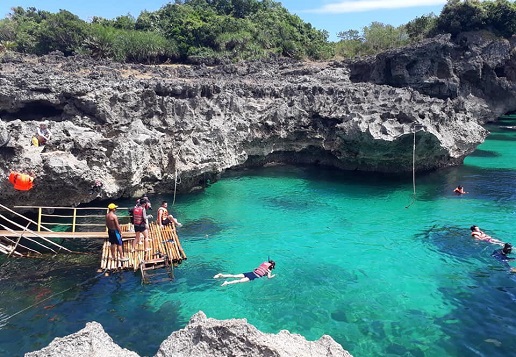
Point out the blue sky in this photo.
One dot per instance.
(330, 15)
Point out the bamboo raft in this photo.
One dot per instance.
(165, 248)
(163, 243)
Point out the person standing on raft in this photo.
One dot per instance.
(265, 269)
(141, 223)
(114, 233)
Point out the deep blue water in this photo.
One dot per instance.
(357, 259)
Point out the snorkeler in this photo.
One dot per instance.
(265, 269)
(501, 255)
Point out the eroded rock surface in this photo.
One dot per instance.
(142, 128)
(207, 337)
(202, 337)
(474, 66)
(91, 341)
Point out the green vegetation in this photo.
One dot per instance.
(214, 31)
(498, 17)
(183, 31)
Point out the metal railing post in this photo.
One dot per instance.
(74, 219)
(39, 219)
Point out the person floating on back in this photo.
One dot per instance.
(459, 190)
(165, 218)
(478, 234)
(501, 255)
(265, 269)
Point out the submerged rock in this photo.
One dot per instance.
(202, 337)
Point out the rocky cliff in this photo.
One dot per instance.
(142, 128)
(202, 337)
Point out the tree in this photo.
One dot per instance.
(63, 32)
(501, 17)
(420, 27)
(458, 16)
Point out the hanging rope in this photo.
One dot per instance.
(414, 164)
(413, 170)
(175, 187)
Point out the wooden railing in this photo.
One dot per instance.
(13, 245)
(47, 217)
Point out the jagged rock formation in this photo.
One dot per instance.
(206, 337)
(90, 341)
(145, 128)
(201, 337)
(475, 66)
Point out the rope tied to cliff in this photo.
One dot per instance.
(415, 128)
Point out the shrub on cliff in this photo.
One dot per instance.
(234, 30)
(459, 16)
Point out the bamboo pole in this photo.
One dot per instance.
(7, 250)
(39, 219)
(36, 234)
(163, 241)
(74, 219)
(19, 238)
(21, 245)
(173, 245)
(161, 246)
(22, 216)
(178, 243)
(32, 240)
(4, 249)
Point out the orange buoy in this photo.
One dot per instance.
(21, 182)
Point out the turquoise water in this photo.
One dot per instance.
(357, 259)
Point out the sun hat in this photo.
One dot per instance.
(112, 206)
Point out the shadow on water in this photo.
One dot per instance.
(201, 228)
(487, 329)
(502, 137)
(484, 153)
(451, 241)
(284, 203)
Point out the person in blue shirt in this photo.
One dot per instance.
(501, 255)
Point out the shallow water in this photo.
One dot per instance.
(357, 259)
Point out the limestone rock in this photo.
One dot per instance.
(158, 129)
(207, 337)
(201, 337)
(91, 341)
(475, 66)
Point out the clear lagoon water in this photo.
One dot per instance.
(357, 259)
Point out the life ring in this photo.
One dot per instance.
(21, 182)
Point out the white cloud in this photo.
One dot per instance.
(370, 5)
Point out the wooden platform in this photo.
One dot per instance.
(164, 248)
(62, 235)
(33, 238)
